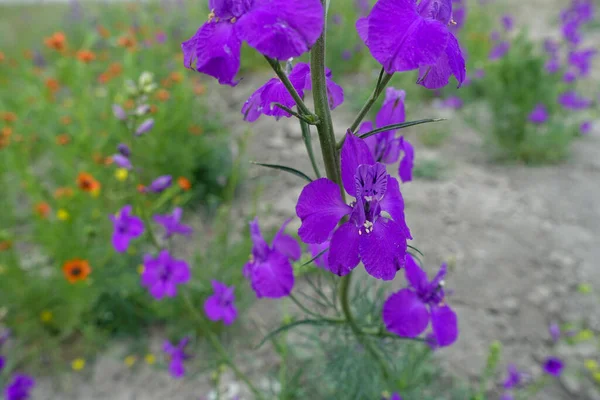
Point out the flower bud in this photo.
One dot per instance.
(144, 127)
(124, 149)
(160, 184)
(142, 110)
(118, 112)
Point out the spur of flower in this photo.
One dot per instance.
(375, 232)
(76, 270)
(279, 29)
(163, 273)
(403, 35)
(408, 312)
(269, 270)
(384, 146)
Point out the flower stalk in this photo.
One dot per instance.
(309, 149)
(384, 79)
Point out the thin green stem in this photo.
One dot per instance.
(216, 344)
(314, 314)
(308, 143)
(294, 113)
(289, 86)
(344, 291)
(382, 82)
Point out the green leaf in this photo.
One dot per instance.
(285, 328)
(314, 258)
(399, 126)
(291, 170)
(415, 249)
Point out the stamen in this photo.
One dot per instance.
(368, 226)
(211, 16)
(452, 22)
(233, 20)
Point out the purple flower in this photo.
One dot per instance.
(160, 37)
(395, 396)
(177, 355)
(499, 50)
(160, 184)
(539, 115)
(172, 224)
(126, 227)
(507, 396)
(269, 270)
(144, 127)
(569, 77)
(279, 29)
(406, 312)
(263, 99)
(118, 112)
(553, 366)
(514, 377)
(404, 36)
(570, 31)
(585, 127)
(124, 150)
(317, 248)
(507, 22)
(552, 66)
(554, 330)
(453, 102)
(551, 46)
(162, 274)
(220, 306)
(573, 101)
(20, 388)
(431, 341)
(582, 60)
(406, 165)
(2, 363)
(121, 161)
(368, 236)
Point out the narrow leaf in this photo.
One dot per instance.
(415, 249)
(285, 328)
(399, 126)
(291, 170)
(314, 258)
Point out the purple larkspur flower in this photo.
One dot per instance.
(119, 112)
(269, 270)
(552, 66)
(571, 100)
(514, 377)
(404, 36)
(499, 50)
(172, 223)
(453, 102)
(569, 77)
(551, 46)
(145, 127)
(160, 37)
(177, 357)
(431, 341)
(2, 363)
(539, 115)
(121, 161)
(408, 161)
(320, 248)
(582, 60)
(507, 22)
(279, 29)
(368, 236)
(395, 396)
(220, 306)
(554, 331)
(553, 366)
(160, 184)
(507, 396)
(124, 150)
(263, 100)
(19, 388)
(585, 127)
(407, 312)
(346, 55)
(162, 274)
(126, 227)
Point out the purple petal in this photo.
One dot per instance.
(253, 107)
(260, 248)
(362, 27)
(320, 207)
(371, 182)
(335, 94)
(392, 110)
(393, 204)
(553, 366)
(402, 40)
(273, 278)
(355, 152)
(214, 50)
(121, 161)
(406, 165)
(282, 29)
(316, 249)
(212, 308)
(343, 250)
(383, 250)
(286, 244)
(229, 315)
(276, 92)
(120, 242)
(414, 274)
(440, 10)
(405, 314)
(451, 62)
(445, 325)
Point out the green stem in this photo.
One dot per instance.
(308, 143)
(344, 291)
(321, 101)
(384, 79)
(288, 85)
(216, 344)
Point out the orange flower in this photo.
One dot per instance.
(196, 130)
(5, 245)
(87, 183)
(199, 89)
(66, 120)
(42, 209)
(86, 56)
(63, 192)
(52, 84)
(8, 116)
(176, 76)
(129, 104)
(163, 95)
(2, 56)
(153, 109)
(63, 139)
(184, 183)
(103, 78)
(102, 31)
(57, 41)
(141, 188)
(76, 270)
(127, 42)
(115, 69)
(6, 132)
